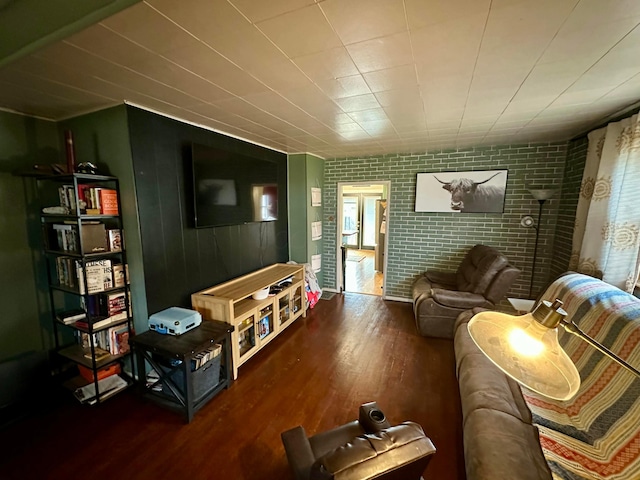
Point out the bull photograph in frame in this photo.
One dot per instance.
(461, 192)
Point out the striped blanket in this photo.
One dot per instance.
(596, 434)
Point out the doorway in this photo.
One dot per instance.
(362, 213)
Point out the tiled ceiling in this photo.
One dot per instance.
(349, 77)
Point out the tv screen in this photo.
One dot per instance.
(231, 188)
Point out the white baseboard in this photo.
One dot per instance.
(398, 299)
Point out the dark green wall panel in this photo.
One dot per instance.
(103, 138)
(25, 323)
(179, 259)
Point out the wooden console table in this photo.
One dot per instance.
(256, 322)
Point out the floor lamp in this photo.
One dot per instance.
(526, 348)
(541, 195)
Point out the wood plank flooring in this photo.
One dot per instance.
(361, 276)
(349, 350)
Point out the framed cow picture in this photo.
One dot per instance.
(479, 191)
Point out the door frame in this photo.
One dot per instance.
(339, 279)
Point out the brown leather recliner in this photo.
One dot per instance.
(364, 449)
(482, 280)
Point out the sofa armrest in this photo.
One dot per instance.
(299, 453)
(456, 299)
(445, 279)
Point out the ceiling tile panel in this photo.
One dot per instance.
(380, 53)
(422, 13)
(400, 98)
(590, 13)
(371, 115)
(257, 11)
(327, 64)
(588, 44)
(456, 38)
(354, 77)
(376, 18)
(344, 87)
(147, 27)
(358, 103)
(301, 32)
(393, 78)
(522, 23)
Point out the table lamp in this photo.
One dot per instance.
(526, 348)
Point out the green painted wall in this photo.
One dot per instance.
(25, 320)
(576, 158)
(305, 171)
(27, 25)
(103, 139)
(419, 240)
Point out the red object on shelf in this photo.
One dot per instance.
(108, 201)
(105, 372)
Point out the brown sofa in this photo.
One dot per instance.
(482, 280)
(500, 440)
(513, 433)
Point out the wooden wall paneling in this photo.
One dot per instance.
(178, 258)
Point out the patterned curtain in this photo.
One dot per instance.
(606, 237)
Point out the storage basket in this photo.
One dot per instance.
(204, 378)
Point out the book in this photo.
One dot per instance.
(67, 237)
(100, 353)
(118, 275)
(114, 240)
(119, 340)
(99, 276)
(71, 316)
(108, 199)
(116, 303)
(106, 387)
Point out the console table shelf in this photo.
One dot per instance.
(256, 322)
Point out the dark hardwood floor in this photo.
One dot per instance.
(349, 350)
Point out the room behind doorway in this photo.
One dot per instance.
(363, 209)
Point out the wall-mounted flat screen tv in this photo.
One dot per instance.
(231, 188)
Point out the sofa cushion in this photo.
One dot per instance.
(498, 446)
(478, 268)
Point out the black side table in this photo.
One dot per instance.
(171, 357)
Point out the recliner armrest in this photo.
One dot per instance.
(445, 279)
(298, 450)
(456, 299)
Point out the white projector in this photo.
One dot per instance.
(174, 321)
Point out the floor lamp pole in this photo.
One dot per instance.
(535, 249)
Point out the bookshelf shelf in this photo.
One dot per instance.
(86, 268)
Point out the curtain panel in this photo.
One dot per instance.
(606, 239)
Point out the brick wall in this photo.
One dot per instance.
(418, 240)
(576, 158)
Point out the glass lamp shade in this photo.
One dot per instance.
(542, 193)
(526, 351)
